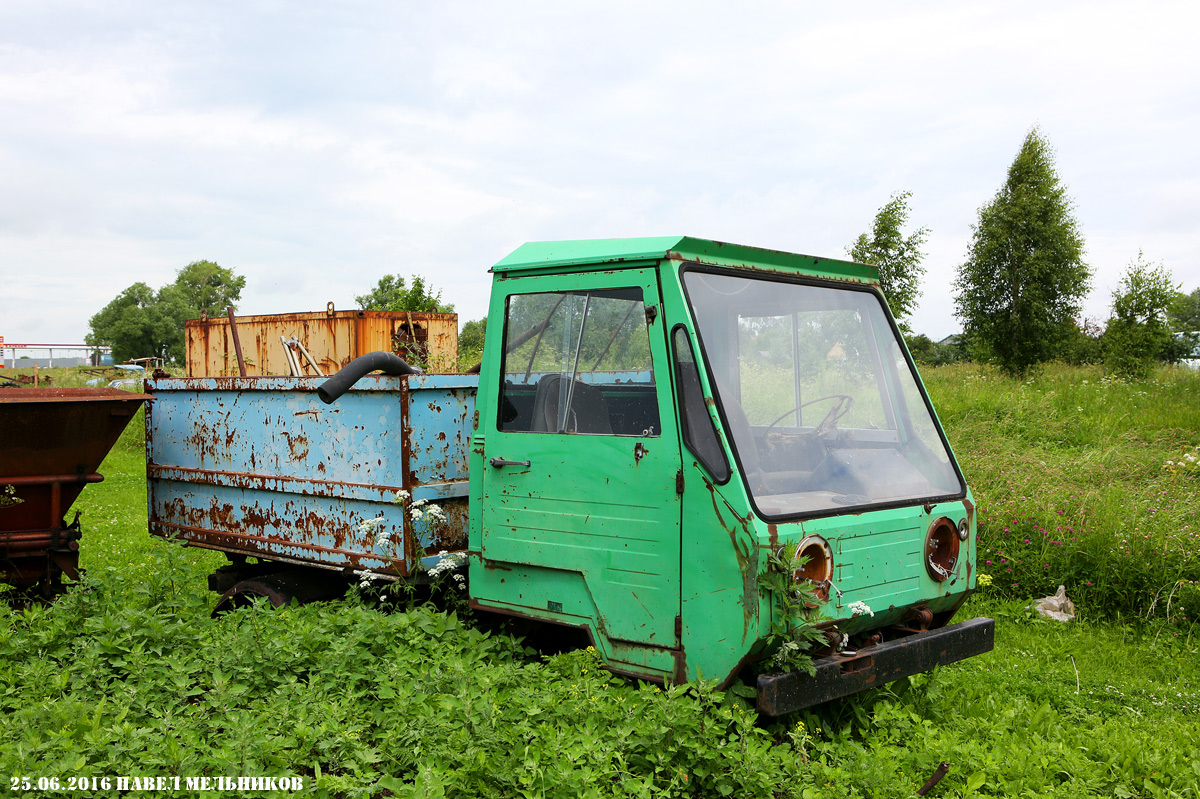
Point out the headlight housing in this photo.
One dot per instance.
(817, 568)
(941, 549)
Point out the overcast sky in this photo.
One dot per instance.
(315, 146)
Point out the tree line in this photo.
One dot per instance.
(1018, 293)
(144, 323)
(1020, 289)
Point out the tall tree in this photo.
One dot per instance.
(1138, 334)
(141, 322)
(138, 323)
(208, 287)
(897, 257)
(1024, 278)
(394, 293)
(1184, 313)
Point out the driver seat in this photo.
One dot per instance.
(588, 412)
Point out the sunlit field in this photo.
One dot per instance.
(1080, 480)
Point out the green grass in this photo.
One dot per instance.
(1068, 472)
(1068, 710)
(58, 376)
(127, 674)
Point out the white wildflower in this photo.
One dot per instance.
(860, 609)
(417, 510)
(401, 497)
(447, 563)
(423, 509)
(369, 526)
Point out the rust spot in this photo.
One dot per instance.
(679, 673)
(297, 446)
(747, 557)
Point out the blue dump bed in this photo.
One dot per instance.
(259, 466)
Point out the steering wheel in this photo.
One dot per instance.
(844, 402)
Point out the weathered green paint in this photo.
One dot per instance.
(588, 254)
(591, 534)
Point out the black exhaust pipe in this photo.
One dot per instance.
(341, 382)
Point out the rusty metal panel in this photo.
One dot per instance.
(54, 440)
(260, 466)
(851, 672)
(333, 338)
(438, 420)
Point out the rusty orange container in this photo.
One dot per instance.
(332, 338)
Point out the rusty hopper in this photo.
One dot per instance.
(54, 440)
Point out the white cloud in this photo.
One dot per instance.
(314, 147)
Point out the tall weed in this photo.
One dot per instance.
(1072, 476)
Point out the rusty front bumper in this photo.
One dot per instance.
(843, 675)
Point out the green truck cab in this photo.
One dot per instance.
(655, 417)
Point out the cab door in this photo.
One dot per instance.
(581, 457)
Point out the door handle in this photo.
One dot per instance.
(498, 462)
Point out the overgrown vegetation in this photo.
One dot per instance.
(793, 634)
(396, 293)
(470, 343)
(1072, 471)
(127, 674)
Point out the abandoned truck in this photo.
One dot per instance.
(652, 420)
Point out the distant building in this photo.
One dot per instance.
(42, 363)
(1192, 361)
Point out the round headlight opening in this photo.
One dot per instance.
(941, 549)
(817, 566)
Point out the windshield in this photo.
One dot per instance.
(824, 411)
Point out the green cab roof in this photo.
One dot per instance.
(607, 253)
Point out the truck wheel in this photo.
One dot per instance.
(280, 588)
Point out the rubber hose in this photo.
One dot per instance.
(349, 374)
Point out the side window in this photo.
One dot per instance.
(699, 435)
(578, 362)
